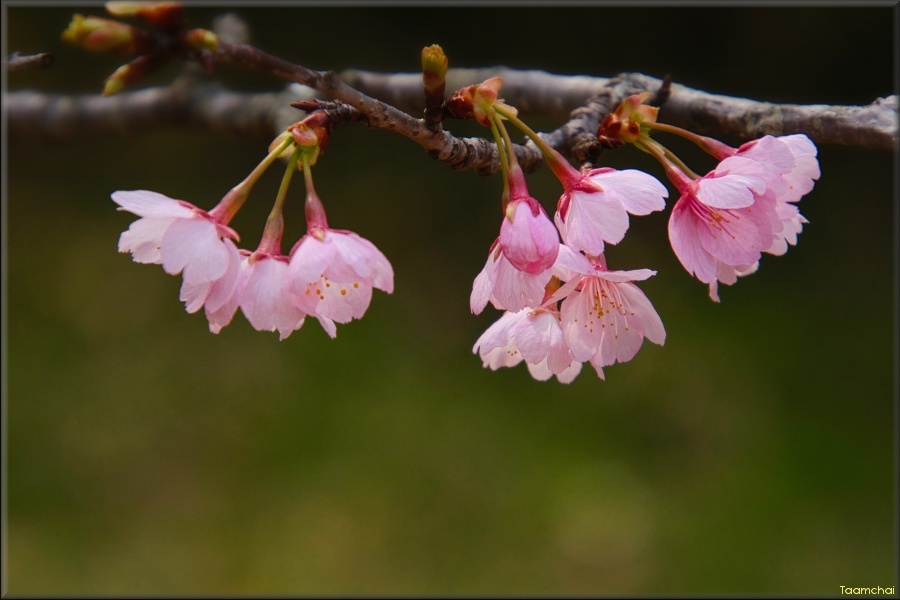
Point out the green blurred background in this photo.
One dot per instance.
(753, 453)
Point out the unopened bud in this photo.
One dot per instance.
(626, 122)
(105, 35)
(201, 39)
(164, 15)
(434, 69)
(130, 73)
(476, 101)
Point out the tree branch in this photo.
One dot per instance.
(16, 63)
(380, 100)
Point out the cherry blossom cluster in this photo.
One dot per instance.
(563, 305)
(328, 274)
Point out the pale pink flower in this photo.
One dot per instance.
(268, 298)
(534, 336)
(176, 234)
(333, 273)
(725, 219)
(505, 286)
(528, 239)
(593, 209)
(793, 169)
(219, 298)
(605, 317)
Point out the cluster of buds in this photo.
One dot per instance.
(168, 40)
(328, 274)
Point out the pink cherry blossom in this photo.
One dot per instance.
(723, 220)
(605, 317)
(593, 209)
(333, 273)
(176, 234)
(266, 294)
(219, 298)
(793, 169)
(528, 239)
(505, 286)
(534, 336)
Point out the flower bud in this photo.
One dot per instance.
(164, 15)
(130, 73)
(434, 69)
(105, 35)
(201, 39)
(626, 121)
(476, 101)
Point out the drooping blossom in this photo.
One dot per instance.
(593, 209)
(176, 234)
(333, 271)
(793, 170)
(723, 221)
(506, 287)
(266, 297)
(219, 298)
(604, 316)
(528, 239)
(532, 335)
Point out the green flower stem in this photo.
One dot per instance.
(715, 148)
(271, 238)
(666, 158)
(234, 199)
(316, 222)
(504, 160)
(545, 149)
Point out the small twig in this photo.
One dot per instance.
(16, 63)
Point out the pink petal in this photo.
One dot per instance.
(266, 298)
(771, 152)
(569, 262)
(151, 204)
(580, 324)
(594, 219)
(534, 334)
(222, 290)
(729, 191)
(514, 289)
(619, 276)
(194, 295)
(683, 226)
(530, 241)
(620, 342)
(496, 347)
(310, 258)
(328, 325)
(343, 302)
(639, 193)
(143, 239)
(194, 246)
(739, 237)
(569, 374)
(646, 317)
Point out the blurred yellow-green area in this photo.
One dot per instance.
(754, 453)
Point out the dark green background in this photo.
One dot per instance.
(753, 453)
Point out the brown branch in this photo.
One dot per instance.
(538, 92)
(16, 63)
(584, 100)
